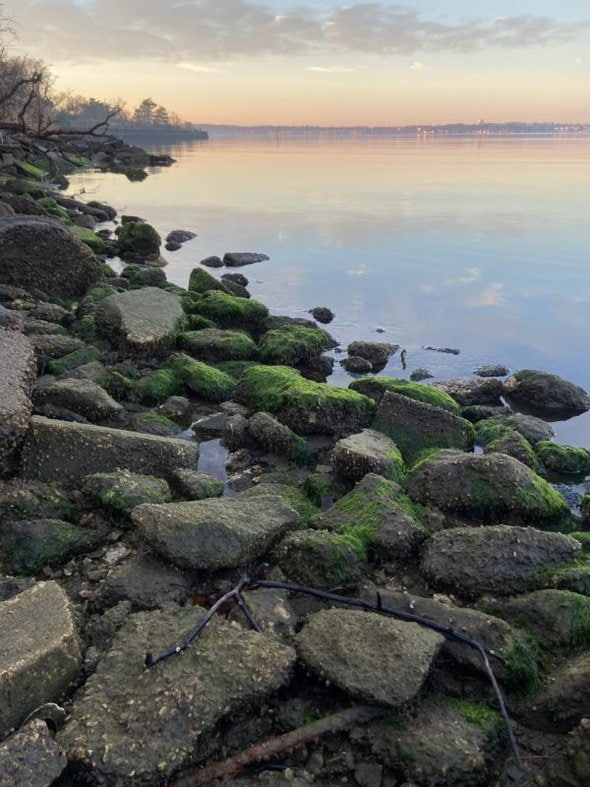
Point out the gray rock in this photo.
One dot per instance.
(180, 236)
(63, 451)
(488, 489)
(141, 322)
(319, 558)
(233, 259)
(48, 346)
(235, 289)
(40, 252)
(174, 705)
(81, 396)
(236, 278)
(215, 533)
(51, 312)
(512, 443)
(417, 426)
(33, 326)
(377, 353)
(322, 314)
(468, 390)
(27, 546)
(356, 364)
(6, 210)
(17, 374)
(120, 491)
(492, 370)
(367, 452)
(530, 427)
(272, 612)
(371, 657)
(390, 528)
(176, 407)
(564, 700)
(212, 262)
(277, 438)
(193, 485)
(11, 320)
(34, 500)
(39, 651)
(546, 394)
(417, 375)
(498, 559)
(31, 757)
(439, 745)
(146, 583)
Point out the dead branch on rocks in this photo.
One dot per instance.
(255, 581)
(260, 752)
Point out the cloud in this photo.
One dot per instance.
(416, 67)
(201, 69)
(198, 31)
(336, 69)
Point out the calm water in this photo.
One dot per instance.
(478, 244)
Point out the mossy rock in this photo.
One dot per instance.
(138, 239)
(99, 293)
(201, 379)
(376, 387)
(140, 276)
(514, 444)
(291, 344)
(235, 369)
(90, 238)
(324, 488)
(31, 171)
(291, 495)
(319, 559)
(559, 458)
(227, 311)
(155, 387)
(155, 423)
(201, 281)
(30, 545)
(214, 345)
(66, 363)
(51, 206)
(305, 406)
(35, 500)
(121, 491)
(195, 322)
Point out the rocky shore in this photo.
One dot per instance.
(431, 500)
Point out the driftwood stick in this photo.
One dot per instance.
(258, 752)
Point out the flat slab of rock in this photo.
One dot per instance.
(497, 559)
(39, 252)
(31, 757)
(233, 259)
(83, 397)
(215, 533)
(18, 369)
(489, 489)
(374, 658)
(132, 725)
(367, 452)
(417, 426)
(141, 322)
(39, 651)
(546, 395)
(63, 451)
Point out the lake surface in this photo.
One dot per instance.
(480, 244)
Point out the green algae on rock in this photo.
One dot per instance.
(138, 240)
(291, 344)
(217, 345)
(227, 311)
(559, 458)
(376, 387)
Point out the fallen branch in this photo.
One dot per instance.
(253, 582)
(258, 752)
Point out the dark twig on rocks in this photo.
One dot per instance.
(235, 765)
(255, 581)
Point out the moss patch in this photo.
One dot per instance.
(211, 344)
(227, 311)
(202, 379)
(201, 281)
(522, 667)
(66, 363)
(138, 238)
(375, 388)
(291, 344)
(90, 238)
(559, 458)
(51, 206)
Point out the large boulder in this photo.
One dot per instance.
(489, 489)
(546, 394)
(292, 344)
(377, 353)
(17, 374)
(416, 426)
(138, 240)
(39, 651)
(498, 559)
(41, 253)
(367, 452)
(377, 387)
(141, 322)
(215, 533)
(371, 657)
(63, 451)
(132, 726)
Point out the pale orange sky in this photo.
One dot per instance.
(278, 62)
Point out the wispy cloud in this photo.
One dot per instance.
(202, 69)
(416, 66)
(336, 69)
(189, 31)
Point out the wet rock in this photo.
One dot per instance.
(138, 240)
(215, 533)
(146, 583)
(235, 278)
(174, 705)
(371, 657)
(81, 396)
(545, 394)
(210, 425)
(497, 559)
(417, 375)
(377, 387)
(468, 390)
(488, 489)
(235, 289)
(120, 491)
(176, 407)
(530, 427)
(192, 485)
(322, 314)
(141, 322)
(212, 262)
(180, 236)
(291, 344)
(367, 452)
(492, 370)
(559, 458)
(564, 700)
(27, 546)
(40, 252)
(377, 353)
(356, 364)
(68, 452)
(512, 443)
(172, 246)
(40, 651)
(417, 427)
(233, 259)
(277, 438)
(377, 517)
(442, 744)
(17, 373)
(31, 757)
(319, 558)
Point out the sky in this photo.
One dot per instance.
(292, 62)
